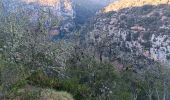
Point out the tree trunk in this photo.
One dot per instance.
(110, 53)
(158, 97)
(150, 94)
(135, 97)
(150, 97)
(101, 54)
(165, 91)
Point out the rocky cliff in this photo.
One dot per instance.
(131, 32)
(58, 15)
(61, 10)
(120, 4)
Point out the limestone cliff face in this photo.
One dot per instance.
(53, 11)
(132, 33)
(61, 9)
(121, 4)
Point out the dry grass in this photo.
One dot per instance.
(48, 94)
(34, 93)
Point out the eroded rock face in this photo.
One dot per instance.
(132, 32)
(62, 8)
(57, 13)
(121, 4)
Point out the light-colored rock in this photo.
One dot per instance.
(121, 4)
(135, 31)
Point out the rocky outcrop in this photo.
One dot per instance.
(67, 13)
(131, 33)
(57, 13)
(121, 4)
(61, 10)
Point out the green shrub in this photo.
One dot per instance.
(33, 93)
(101, 78)
(40, 79)
(11, 74)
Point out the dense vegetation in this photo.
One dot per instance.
(32, 67)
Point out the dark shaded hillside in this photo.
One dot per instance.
(83, 13)
(130, 34)
(85, 9)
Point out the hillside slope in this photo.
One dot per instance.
(131, 33)
(57, 15)
(120, 4)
